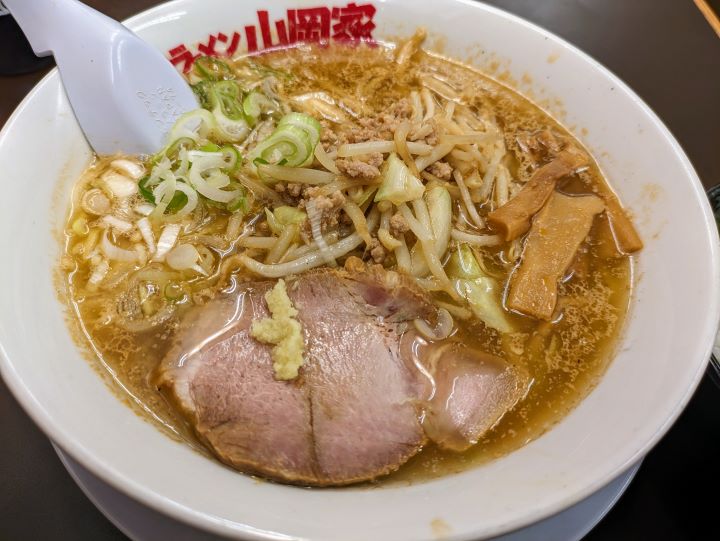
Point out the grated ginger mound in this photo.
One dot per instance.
(283, 331)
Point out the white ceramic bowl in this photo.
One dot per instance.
(662, 356)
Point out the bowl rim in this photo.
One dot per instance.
(205, 521)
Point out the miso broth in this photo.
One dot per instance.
(128, 301)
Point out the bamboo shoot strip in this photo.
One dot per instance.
(513, 218)
(554, 238)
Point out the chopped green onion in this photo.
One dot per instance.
(209, 147)
(212, 69)
(240, 204)
(287, 143)
(163, 193)
(232, 157)
(202, 93)
(264, 70)
(209, 166)
(227, 96)
(144, 191)
(255, 104)
(304, 122)
(186, 205)
(195, 125)
(293, 141)
(174, 148)
(172, 151)
(178, 201)
(217, 179)
(225, 103)
(224, 98)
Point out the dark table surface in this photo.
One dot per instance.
(668, 54)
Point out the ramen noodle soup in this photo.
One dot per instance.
(351, 263)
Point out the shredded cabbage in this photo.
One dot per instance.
(481, 292)
(399, 185)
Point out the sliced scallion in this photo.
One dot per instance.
(305, 122)
(225, 100)
(209, 147)
(240, 203)
(232, 157)
(202, 92)
(210, 68)
(144, 191)
(204, 166)
(293, 141)
(255, 104)
(172, 150)
(195, 125)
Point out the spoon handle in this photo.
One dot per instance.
(124, 92)
(46, 23)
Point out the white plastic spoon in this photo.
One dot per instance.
(124, 93)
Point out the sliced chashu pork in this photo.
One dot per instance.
(356, 410)
(221, 380)
(473, 390)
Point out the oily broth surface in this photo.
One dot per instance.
(565, 359)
